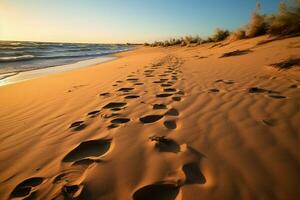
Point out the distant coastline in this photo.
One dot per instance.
(50, 58)
(25, 56)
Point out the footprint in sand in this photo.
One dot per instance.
(229, 82)
(159, 106)
(105, 94)
(261, 90)
(111, 126)
(132, 79)
(26, 187)
(269, 122)
(159, 81)
(131, 97)
(157, 191)
(166, 85)
(163, 95)
(125, 89)
(78, 126)
(85, 162)
(256, 90)
(107, 116)
(170, 82)
(72, 191)
(94, 148)
(176, 98)
(150, 118)
(277, 96)
(162, 75)
(235, 53)
(293, 86)
(172, 112)
(169, 90)
(180, 92)
(214, 90)
(120, 120)
(193, 174)
(164, 144)
(114, 105)
(94, 113)
(138, 84)
(170, 124)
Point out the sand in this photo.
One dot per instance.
(158, 123)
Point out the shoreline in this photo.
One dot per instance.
(16, 76)
(20, 76)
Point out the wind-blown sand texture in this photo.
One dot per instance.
(158, 123)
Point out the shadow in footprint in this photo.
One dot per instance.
(176, 98)
(72, 191)
(24, 188)
(277, 97)
(257, 90)
(125, 89)
(132, 79)
(166, 85)
(164, 144)
(105, 94)
(180, 92)
(163, 95)
(85, 162)
(150, 118)
(158, 191)
(236, 53)
(261, 90)
(111, 126)
(158, 81)
(193, 174)
(170, 124)
(169, 90)
(120, 121)
(213, 90)
(78, 126)
(287, 64)
(131, 97)
(88, 148)
(159, 106)
(269, 122)
(172, 112)
(138, 83)
(94, 113)
(114, 105)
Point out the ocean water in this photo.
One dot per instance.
(24, 56)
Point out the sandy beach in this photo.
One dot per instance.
(215, 121)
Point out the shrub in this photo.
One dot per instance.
(237, 35)
(257, 25)
(286, 21)
(220, 35)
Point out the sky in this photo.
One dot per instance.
(121, 21)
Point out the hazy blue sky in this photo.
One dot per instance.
(121, 20)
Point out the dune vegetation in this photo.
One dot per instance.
(285, 22)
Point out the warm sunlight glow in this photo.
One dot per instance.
(118, 21)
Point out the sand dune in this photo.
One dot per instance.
(206, 122)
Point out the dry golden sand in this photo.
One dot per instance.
(61, 139)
